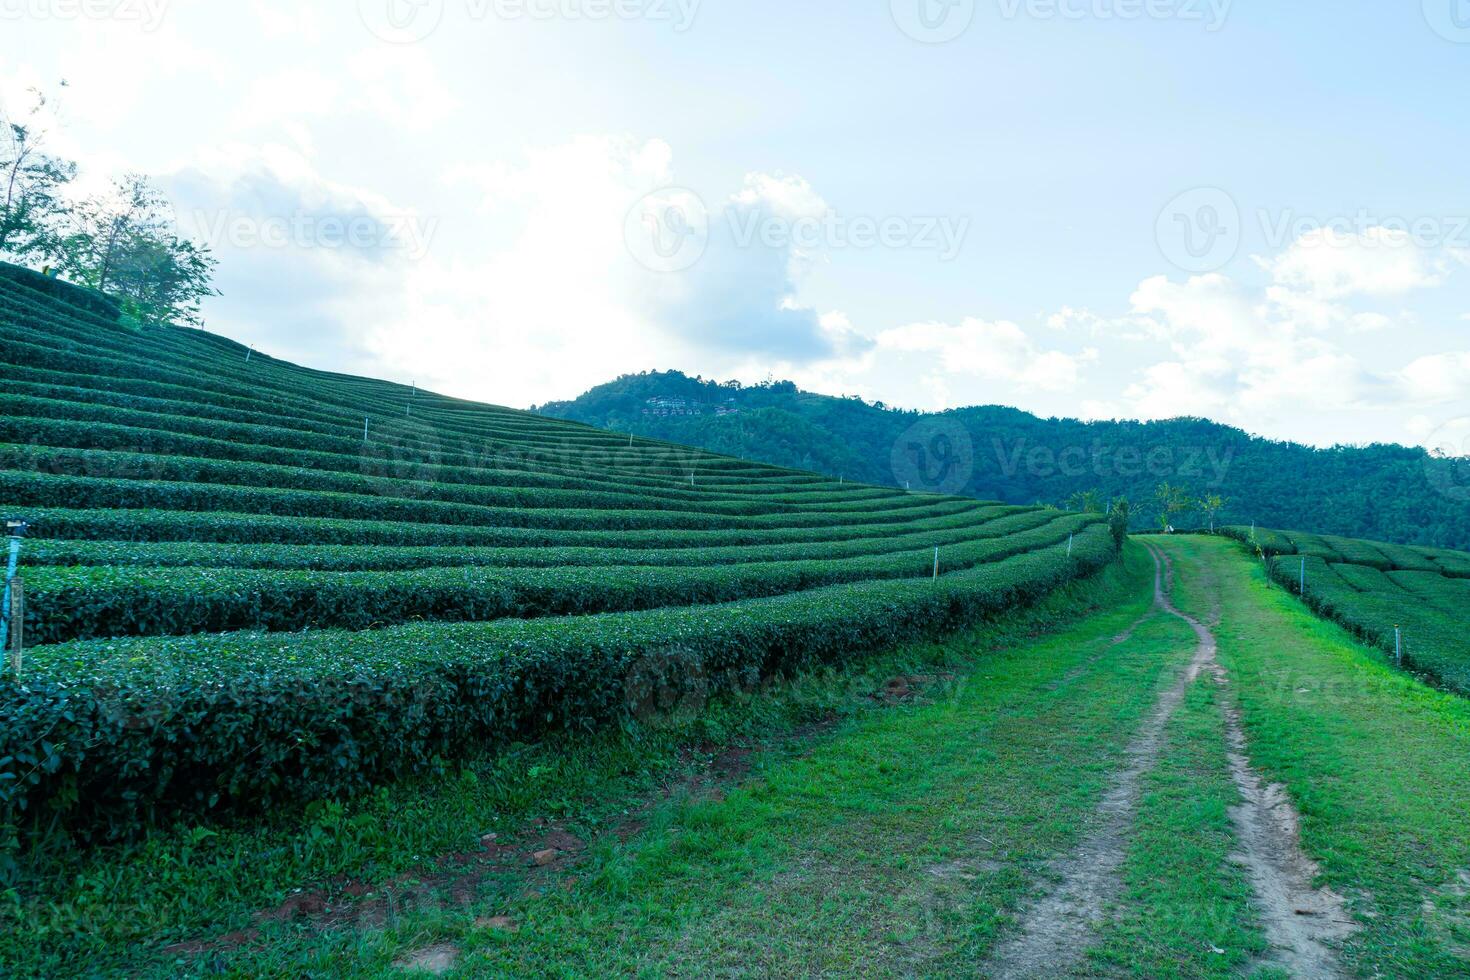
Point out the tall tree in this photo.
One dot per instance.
(123, 244)
(31, 184)
(1120, 515)
(1212, 504)
(1172, 501)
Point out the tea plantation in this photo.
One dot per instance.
(248, 582)
(1371, 588)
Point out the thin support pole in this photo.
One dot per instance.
(936, 564)
(17, 608)
(17, 533)
(1304, 576)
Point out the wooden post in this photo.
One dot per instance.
(17, 623)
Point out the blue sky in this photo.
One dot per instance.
(999, 218)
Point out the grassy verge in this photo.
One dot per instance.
(1186, 909)
(902, 842)
(1375, 761)
(115, 909)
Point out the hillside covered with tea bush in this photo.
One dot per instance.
(1382, 492)
(249, 582)
(1373, 588)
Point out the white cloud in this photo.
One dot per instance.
(1437, 378)
(1237, 359)
(305, 262)
(1328, 264)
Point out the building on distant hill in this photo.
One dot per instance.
(665, 407)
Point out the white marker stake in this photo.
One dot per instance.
(364, 430)
(936, 564)
(248, 353)
(1070, 538)
(1398, 646)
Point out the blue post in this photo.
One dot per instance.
(17, 529)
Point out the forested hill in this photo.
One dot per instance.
(1385, 492)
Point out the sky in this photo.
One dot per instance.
(1251, 211)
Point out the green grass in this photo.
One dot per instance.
(1186, 911)
(881, 775)
(893, 840)
(904, 842)
(1374, 759)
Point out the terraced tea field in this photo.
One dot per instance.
(248, 582)
(1372, 587)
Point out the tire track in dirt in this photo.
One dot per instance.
(1060, 927)
(1301, 921)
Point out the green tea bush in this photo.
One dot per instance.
(109, 734)
(1372, 588)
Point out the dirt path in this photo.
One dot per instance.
(1300, 920)
(1060, 927)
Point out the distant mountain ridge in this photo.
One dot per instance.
(1383, 491)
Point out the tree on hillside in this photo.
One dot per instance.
(1120, 514)
(31, 183)
(1212, 504)
(1172, 501)
(122, 243)
(1087, 502)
